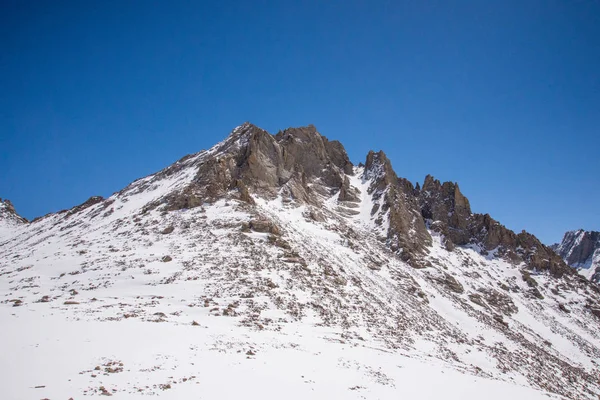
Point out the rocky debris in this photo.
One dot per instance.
(531, 282)
(261, 225)
(186, 199)
(536, 293)
(478, 299)
(451, 283)
(313, 214)
(279, 242)
(110, 367)
(563, 308)
(104, 392)
(168, 230)
(499, 318)
(16, 302)
(499, 301)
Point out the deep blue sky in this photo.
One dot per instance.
(502, 97)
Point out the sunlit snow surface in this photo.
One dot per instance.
(89, 306)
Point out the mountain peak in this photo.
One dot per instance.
(245, 129)
(9, 219)
(377, 165)
(8, 212)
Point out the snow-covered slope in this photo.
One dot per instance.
(187, 288)
(10, 221)
(581, 250)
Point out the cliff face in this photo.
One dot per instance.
(297, 163)
(581, 250)
(449, 213)
(394, 198)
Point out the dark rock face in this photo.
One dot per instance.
(451, 283)
(540, 257)
(581, 249)
(346, 193)
(298, 160)
(446, 204)
(407, 232)
(449, 213)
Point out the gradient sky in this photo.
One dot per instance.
(502, 97)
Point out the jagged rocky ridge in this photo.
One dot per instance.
(581, 250)
(276, 230)
(450, 214)
(301, 165)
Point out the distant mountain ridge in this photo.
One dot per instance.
(581, 250)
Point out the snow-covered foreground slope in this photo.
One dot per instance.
(54, 357)
(276, 298)
(333, 315)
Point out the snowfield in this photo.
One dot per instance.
(52, 356)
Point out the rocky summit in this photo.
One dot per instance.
(273, 261)
(9, 219)
(581, 250)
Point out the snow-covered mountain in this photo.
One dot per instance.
(581, 250)
(271, 266)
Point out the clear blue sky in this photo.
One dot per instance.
(502, 97)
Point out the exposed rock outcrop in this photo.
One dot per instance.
(8, 213)
(394, 199)
(446, 204)
(297, 162)
(449, 213)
